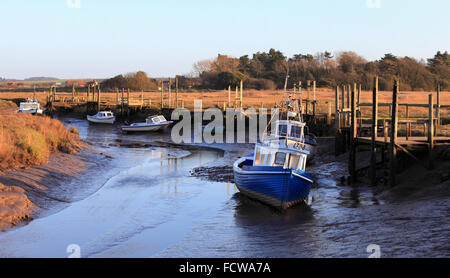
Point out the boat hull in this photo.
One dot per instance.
(101, 121)
(144, 128)
(275, 186)
(32, 112)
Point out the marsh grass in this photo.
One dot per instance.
(27, 140)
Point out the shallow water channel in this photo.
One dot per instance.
(146, 204)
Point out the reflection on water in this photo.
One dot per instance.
(149, 206)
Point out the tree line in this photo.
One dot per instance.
(273, 70)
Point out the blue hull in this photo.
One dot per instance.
(278, 187)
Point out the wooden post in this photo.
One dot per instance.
(170, 91)
(394, 128)
(438, 107)
(385, 131)
(162, 94)
(329, 113)
(353, 134)
(343, 115)
(430, 122)
(121, 102)
(242, 92)
(88, 92)
(98, 98)
(308, 88)
(128, 102)
(336, 106)
(349, 90)
(300, 89)
(73, 92)
(236, 98)
(373, 157)
(359, 94)
(229, 95)
(314, 90)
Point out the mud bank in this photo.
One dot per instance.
(15, 206)
(42, 190)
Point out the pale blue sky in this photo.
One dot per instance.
(103, 38)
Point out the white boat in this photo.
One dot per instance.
(103, 117)
(153, 123)
(30, 107)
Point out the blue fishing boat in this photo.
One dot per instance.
(275, 173)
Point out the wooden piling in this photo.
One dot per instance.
(170, 91)
(336, 106)
(162, 94)
(73, 92)
(353, 134)
(394, 129)
(329, 113)
(430, 122)
(308, 97)
(359, 94)
(236, 97)
(438, 107)
(343, 115)
(98, 99)
(229, 95)
(242, 92)
(373, 157)
(314, 90)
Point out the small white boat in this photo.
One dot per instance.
(30, 107)
(103, 117)
(153, 123)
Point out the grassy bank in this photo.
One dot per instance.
(26, 140)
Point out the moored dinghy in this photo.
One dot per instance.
(103, 117)
(153, 123)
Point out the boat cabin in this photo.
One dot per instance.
(292, 130)
(279, 157)
(156, 120)
(29, 105)
(105, 114)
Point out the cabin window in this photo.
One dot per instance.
(257, 158)
(296, 131)
(282, 130)
(302, 162)
(293, 161)
(280, 159)
(267, 160)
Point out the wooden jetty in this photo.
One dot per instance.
(349, 124)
